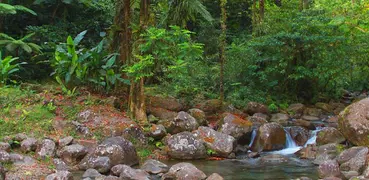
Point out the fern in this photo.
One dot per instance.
(12, 9)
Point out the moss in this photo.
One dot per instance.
(340, 148)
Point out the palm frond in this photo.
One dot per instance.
(24, 9)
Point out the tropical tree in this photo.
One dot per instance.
(15, 45)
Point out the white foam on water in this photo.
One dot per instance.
(253, 135)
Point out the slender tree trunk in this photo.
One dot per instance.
(223, 44)
(254, 16)
(262, 9)
(137, 104)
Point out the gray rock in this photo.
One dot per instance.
(296, 110)
(329, 168)
(348, 154)
(135, 132)
(119, 150)
(2, 172)
(101, 163)
(4, 146)
(310, 118)
(235, 126)
(60, 165)
(158, 131)
(60, 175)
(215, 176)
(20, 137)
(65, 141)
(29, 144)
(329, 135)
(269, 137)
(184, 171)
(199, 115)
(91, 173)
(222, 144)
(349, 174)
(327, 152)
(299, 134)
(72, 154)
(154, 167)
(280, 118)
(117, 169)
(357, 163)
(185, 145)
(183, 122)
(4, 157)
(14, 157)
(46, 149)
(129, 173)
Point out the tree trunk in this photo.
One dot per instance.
(223, 45)
(254, 16)
(262, 9)
(137, 104)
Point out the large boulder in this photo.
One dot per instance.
(184, 171)
(199, 115)
(269, 137)
(356, 163)
(183, 122)
(296, 110)
(324, 106)
(211, 106)
(168, 103)
(299, 134)
(29, 144)
(327, 152)
(157, 131)
(129, 173)
(163, 114)
(306, 124)
(329, 135)
(65, 141)
(72, 154)
(280, 118)
(154, 167)
(221, 144)
(329, 168)
(60, 175)
(354, 123)
(254, 107)
(111, 152)
(313, 112)
(235, 126)
(46, 149)
(185, 145)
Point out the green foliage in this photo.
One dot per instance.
(85, 66)
(14, 45)
(273, 108)
(8, 66)
(13, 9)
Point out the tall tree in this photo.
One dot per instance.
(261, 10)
(137, 104)
(223, 45)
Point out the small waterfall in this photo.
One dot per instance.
(290, 143)
(253, 135)
(313, 137)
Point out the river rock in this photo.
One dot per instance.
(16, 158)
(4, 157)
(72, 154)
(20, 137)
(184, 171)
(310, 118)
(299, 134)
(324, 106)
(29, 144)
(183, 122)
(280, 118)
(221, 144)
(129, 173)
(273, 159)
(357, 163)
(135, 133)
(46, 148)
(185, 145)
(254, 107)
(269, 137)
(329, 135)
(4, 146)
(296, 110)
(65, 141)
(60, 165)
(235, 126)
(308, 152)
(306, 124)
(199, 115)
(257, 121)
(154, 167)
(313, 112)
(101, 163)
(348, 154)
(215, 176)
(211, 106)
(329, 168)
(60, 175)
(327, 152)
(91, 173)
(168, 103)
(2, 172)
(163, 114)
(157, 131)
(354, 123)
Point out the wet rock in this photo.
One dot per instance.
(235, 126)
(348, 154)
(324, 106)
(4, 146)
(257, 121)
(215, 176)
(273, 159)
(357, 163)
(308, 152)
(91, 173)
(280, 118)
(310, 118)
(306, 124)
(129, 173)
(117, 169)
(329, 168)
(327, 152)
(29, 144)
(199, 115)
(4, 157)
(329, 135)
(354, 123)
(221, 144)
(46, 149)
(313, 112)
(185, 145)
(184, 171)
(211, 106)
(158, 131)
(349, 174)
(111, 178)
(154, 167)
(183, 122)
(269, 137)
(60, 165)
(261, 115)
(299, 134)
(254, 107)
(168, 103)
(101, 163)
(72, 154)
(20, 137)
(60, 175)
(296, 110)
(65, 141)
